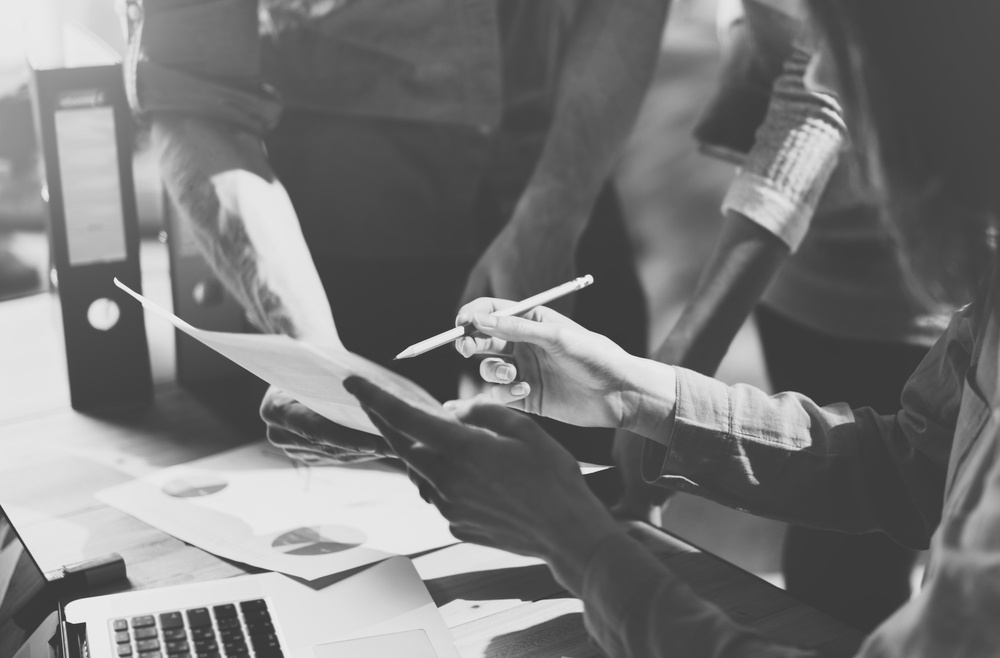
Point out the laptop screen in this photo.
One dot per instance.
(20, 577)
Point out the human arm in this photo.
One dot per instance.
(768, 210)
(782, 456)
(193, 75)
(605, 72)
(502, 482)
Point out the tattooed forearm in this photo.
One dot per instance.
(217, 225)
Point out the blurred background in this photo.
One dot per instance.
(672, 196)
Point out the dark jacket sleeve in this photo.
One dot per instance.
(199, 57)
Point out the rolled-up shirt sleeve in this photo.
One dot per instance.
(200, 57)
(786, 457)
(796, 150)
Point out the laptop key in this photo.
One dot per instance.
(227, 611)
(151, 654)
(174, 634)
(270, 653)
(209, 654)
(257, 604)
(251, 616)
(123, 637)
(199, 618)
(227, 623)
(176, 647)
(147, 633)
(236, 648)
(203, 633)
(120, 625)
(205, 646)
(264, 643)
(260, 628)
(143, 622)
(171, 620)
(147, 645)
(231, 634)
(124, 650)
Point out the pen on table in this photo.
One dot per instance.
(523, 306)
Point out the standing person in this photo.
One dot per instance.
(918, 79)
(836, 318)
(421, 154)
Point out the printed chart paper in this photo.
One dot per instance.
(315, 377)
(253, 505)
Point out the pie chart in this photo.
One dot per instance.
(318, 540)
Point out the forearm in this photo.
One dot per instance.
(607, 68)
(745, 260)
(245, 224)
(635, 606)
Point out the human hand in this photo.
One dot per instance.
(640, 500)
(528, 256)
(497, 477)
(306, 436)
(548, 365)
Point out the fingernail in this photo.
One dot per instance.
(450, 406)
(466, 347)
(519, 389)
(463, 318)
(485, 320)
(505, 373)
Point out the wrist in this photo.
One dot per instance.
(571, 546)
(650, 399)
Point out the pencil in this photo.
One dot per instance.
(523, 306)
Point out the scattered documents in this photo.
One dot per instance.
(254, 505)
(313, 376)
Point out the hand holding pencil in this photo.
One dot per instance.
(519, 308)
(546, 364)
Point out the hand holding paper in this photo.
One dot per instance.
(311, 375)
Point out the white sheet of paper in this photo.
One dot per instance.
(312, 376)
(405, 644)
(253, 505)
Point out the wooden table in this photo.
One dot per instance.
(53, 459)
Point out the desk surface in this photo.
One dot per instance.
(497, 604)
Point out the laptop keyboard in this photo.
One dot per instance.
(237, 630)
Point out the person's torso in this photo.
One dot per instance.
(846, 279)
(465, 62)
(961, 584)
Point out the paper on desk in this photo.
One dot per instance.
(252, 505)
(412, 644)
(312, 376)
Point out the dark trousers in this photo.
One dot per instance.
(858, 579)
(347, 177)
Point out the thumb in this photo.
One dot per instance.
(520, 330)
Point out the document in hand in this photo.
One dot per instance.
(313, 376)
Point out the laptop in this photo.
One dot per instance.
(383, 611)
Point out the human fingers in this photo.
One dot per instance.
(493, 394)
(545, 335)
(295, 423)
(469, 346)
(480, 305)
(415, 424)
(497, 371)
(423, 466)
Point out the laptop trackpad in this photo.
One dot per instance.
(408, 644)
